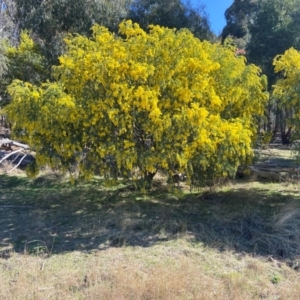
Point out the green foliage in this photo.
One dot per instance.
(238, 17)
(32, 170)
(271, 33)
(147, 102)
(286, 89)
(265, 28)
(172, 14)
(24, 62)
(276, 279)
(3, 58)
(51, 20)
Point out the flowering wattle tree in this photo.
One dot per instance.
(161, 100)
(286, 89)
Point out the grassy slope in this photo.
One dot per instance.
(59, 241)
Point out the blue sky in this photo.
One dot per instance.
(215, 10)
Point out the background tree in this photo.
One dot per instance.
(24, 62)
(265, 29)
(3, 59)
(172, 14)
(162, 100)
(272, 32)
(7, 33)
(50, 20)
(3, 70)
(238, 19)
(286, 89)
(8, 24)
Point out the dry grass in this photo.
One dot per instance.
(8, 167)
(278, 151)
(87, 241)
(170, 271)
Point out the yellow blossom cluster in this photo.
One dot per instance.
(157, 100)
(287, 88)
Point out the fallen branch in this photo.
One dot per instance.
(12, 142)
(15, 206)
(17, 164)
(10, 154)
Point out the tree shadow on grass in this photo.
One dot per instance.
(54, 216)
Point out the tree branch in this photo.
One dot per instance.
(10, 154)
(17, 164)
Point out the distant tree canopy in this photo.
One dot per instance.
(161, 100)
(275, 29)
(3, 59)
(238, 18)
(24, 62)
(172, 14)
(286, 89)
(266, 27)
(50, 20)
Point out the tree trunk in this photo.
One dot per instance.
(285, 136)
(148, 176)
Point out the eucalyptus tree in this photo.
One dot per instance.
(172, 14)
(238, 18)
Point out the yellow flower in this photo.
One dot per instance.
(162, 99)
